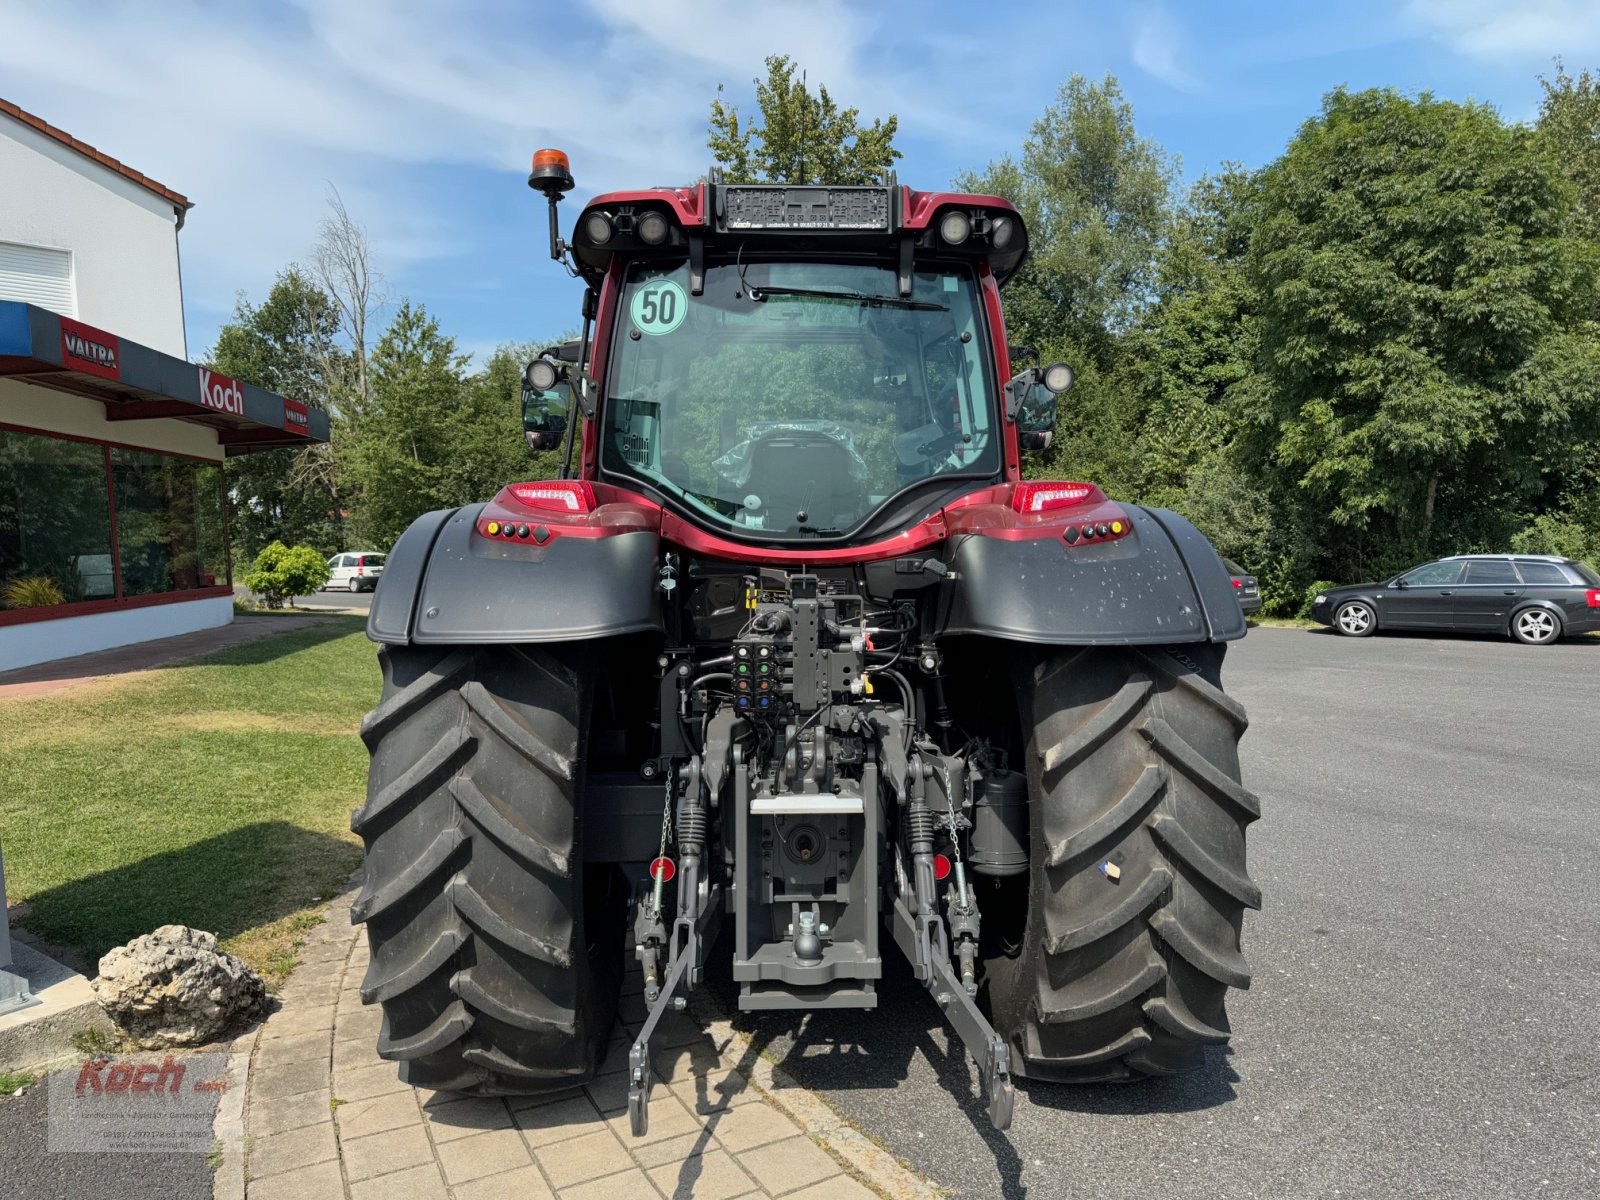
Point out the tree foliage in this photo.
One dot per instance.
(1420, 287)
(286, 345)
(1376, 349)
(282, 572)
(803, 137)
(1569, 122)
(401, 462)
(1096, 199)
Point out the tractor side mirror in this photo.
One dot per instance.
(1031, 403)
(546, 402)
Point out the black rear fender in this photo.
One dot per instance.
(1163, 583)
(443, 584)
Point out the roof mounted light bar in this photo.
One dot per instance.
(758, 207)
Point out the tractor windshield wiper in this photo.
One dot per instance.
(861, 298)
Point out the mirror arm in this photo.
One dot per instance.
(582, 386)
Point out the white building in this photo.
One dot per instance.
(87, 237)
(113, 513)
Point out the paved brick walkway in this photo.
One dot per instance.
(325, 1119)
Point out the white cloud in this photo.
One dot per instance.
(423, 112)
(252, 111)
(1528, 31)
(1156, 49)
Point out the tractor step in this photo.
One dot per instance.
(766, 997)
(805, 806)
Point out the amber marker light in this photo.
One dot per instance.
(551, 158)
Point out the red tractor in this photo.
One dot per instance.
(791, 641)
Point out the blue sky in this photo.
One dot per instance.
(423, 115)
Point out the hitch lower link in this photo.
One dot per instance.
(924, 937)
(685, 950)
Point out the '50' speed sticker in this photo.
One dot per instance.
(659, 307)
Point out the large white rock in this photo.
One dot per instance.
(174, 988)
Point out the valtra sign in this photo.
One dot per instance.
(296, 417)
(221, 393)
(85, 348)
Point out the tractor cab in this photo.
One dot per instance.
(778, 363)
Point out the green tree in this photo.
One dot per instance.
(1569, 121)
(487, 448)
(285, 344)
(1194, 344)
(1096, 197)
(1420, 298)
(402, 463)
(802, 138)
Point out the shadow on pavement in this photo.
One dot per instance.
(848, 1051)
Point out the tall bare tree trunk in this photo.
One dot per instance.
(1427, 506)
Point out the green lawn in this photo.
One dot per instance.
(215, 794)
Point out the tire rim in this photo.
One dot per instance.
(1354, 618)
(1536, 626)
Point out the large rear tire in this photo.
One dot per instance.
(1125, 932)
(496, 956)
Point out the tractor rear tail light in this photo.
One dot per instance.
(1592, 597)
(1034, 498)
(566, 496)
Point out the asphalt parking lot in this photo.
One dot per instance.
(1425, 1014)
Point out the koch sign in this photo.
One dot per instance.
(221, 393)
(85, 348)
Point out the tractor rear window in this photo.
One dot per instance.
(796, 398)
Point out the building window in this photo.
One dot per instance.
(55, 522)
(82, 523)
(38, 275)
(169, 523)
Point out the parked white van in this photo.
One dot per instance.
(357, 571)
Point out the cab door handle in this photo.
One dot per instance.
(1509, 592)
(1447, 593)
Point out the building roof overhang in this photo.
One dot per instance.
(136, 383)
(178, 200)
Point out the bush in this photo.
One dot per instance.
(38, 592)
(1556, 534)
(283, 572)
(1312, 592)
